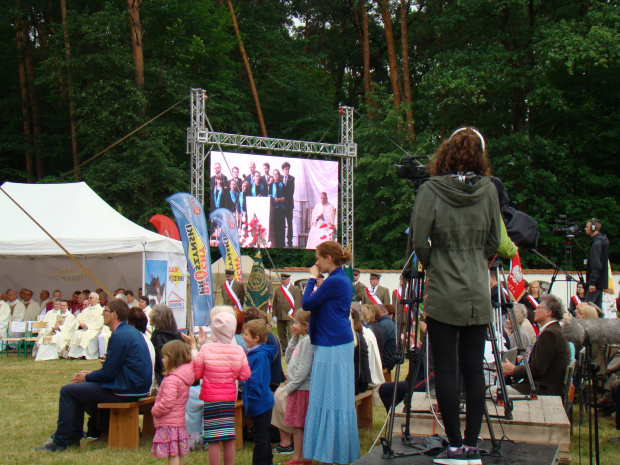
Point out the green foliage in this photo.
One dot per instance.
(539, 79)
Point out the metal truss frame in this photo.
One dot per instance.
(199, 135)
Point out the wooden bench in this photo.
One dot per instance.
(363, 406)
(124, 430)
(240, 420)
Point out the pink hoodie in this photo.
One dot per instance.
(220, 363)
(169, 408)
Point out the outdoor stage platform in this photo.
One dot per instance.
(541, 421)
(512, 454)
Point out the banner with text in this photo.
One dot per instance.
(228, 240)
(195, 237)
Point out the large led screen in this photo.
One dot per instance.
(277, 202)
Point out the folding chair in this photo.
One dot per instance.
(33, 328)
(14, 327)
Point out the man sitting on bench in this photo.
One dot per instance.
(124, 377)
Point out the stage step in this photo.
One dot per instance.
(512, 454)
(541, 421)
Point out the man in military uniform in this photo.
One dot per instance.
(375, 294)
(285, 301)
(233, 292)
(360, 288)
(397, 294)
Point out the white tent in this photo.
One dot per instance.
(118, 252)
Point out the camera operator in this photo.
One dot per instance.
(458, 209)
(596, 267)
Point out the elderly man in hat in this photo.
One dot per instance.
(285, 301)
(233, 292)
(375, 294)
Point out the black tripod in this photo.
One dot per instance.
(413, 274)
(587, 395)
(413, 297)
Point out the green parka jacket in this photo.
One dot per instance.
(462, 220)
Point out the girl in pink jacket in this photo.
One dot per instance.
(171, 437)
(219, 364)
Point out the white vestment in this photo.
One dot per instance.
(18, 313)
(321, 229)
(32, 310)
(92, 317)
(57, 338)
(51, 314)
(5, 318)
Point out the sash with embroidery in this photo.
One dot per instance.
(533, 301)
(289, 298)
(371, 295)
(232, 295)
(576, 300)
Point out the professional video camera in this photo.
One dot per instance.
(410, 168)
(563, 227)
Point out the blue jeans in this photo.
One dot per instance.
(71, 405)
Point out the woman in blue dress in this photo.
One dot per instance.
(330, 433)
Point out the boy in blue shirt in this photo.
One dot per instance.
(257, 397)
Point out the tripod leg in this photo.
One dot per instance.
(412, 377)
(495, 444)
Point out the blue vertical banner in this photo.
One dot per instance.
(195, 237)
(229, 240)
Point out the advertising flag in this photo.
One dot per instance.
(229, 240)
(516, 286)
(195, 237)
(257, 291)
(165, 226)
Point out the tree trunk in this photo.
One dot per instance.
(34, 99)
(24, 98)
(404, 9)
(384, 5)
(261, 121)
(364, 41)
(136, 42)
(72, 116)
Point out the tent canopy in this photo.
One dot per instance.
(61, 209)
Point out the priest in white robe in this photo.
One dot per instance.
(18, 310)
(323, 223)
(88, 325)
(32, 306)
(5, 317)
(54, 311)
(53, 341)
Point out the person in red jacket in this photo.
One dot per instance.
(219, 364)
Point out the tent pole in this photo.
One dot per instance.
(58, 243)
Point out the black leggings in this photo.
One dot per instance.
(443, 340)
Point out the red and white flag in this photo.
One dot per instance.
(516, 285)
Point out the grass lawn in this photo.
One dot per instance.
(29, 406)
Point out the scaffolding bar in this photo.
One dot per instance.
(198, 135)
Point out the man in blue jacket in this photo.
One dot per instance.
(125, 376)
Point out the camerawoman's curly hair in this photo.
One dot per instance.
(463, 152)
